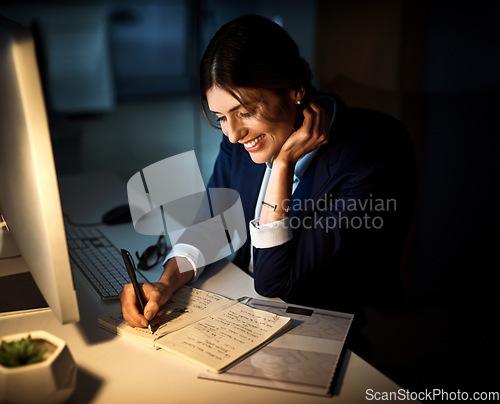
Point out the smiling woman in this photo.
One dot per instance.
(253, 74)
(294, 155)
(245, 124)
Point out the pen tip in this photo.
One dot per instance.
(150, 328)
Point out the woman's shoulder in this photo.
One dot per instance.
(352, 120)
(356, 128)
(363, 140)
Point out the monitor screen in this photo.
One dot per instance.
(31, 218)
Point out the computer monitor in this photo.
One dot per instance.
(29, 193)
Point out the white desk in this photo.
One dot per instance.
(115, 369)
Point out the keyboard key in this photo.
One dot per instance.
(98, 260)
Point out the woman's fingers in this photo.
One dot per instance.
(130, 307)
(321, 123)
(154, 297)
(312, 134)
(315, 128)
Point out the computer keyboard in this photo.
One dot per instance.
(98, 260)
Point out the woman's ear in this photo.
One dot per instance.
(297, 95)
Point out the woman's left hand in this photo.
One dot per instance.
(313, 133)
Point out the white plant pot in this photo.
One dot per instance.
(52, 380)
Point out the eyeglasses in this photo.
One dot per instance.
(153, 254)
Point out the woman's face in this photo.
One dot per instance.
(262, 138)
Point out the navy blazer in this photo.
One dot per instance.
(349, 216)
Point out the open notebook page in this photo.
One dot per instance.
(222, 338)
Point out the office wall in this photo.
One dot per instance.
(433, 65)
(372, 55)
(145, 106)
(458, 224)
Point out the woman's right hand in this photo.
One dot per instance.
(155, 295)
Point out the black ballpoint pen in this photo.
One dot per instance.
(129, 264)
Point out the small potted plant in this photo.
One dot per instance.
(36, 367)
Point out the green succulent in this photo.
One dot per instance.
(20, 352)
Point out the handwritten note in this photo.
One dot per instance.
(209, 329)
(220, 339)
(187, 306)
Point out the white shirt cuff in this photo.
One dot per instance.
(192, 254)
(270, 234)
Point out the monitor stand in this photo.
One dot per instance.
(19, 294)
(18, 290)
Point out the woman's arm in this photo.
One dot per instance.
(178, 270)
(320, 233)
(312, 134)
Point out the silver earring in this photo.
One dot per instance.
(298, 102)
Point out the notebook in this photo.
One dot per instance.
(304, 360)
(208, 329)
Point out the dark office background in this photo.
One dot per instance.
(120, 84)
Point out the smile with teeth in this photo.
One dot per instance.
(254, 142)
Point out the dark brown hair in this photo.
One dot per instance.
(252, 52)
